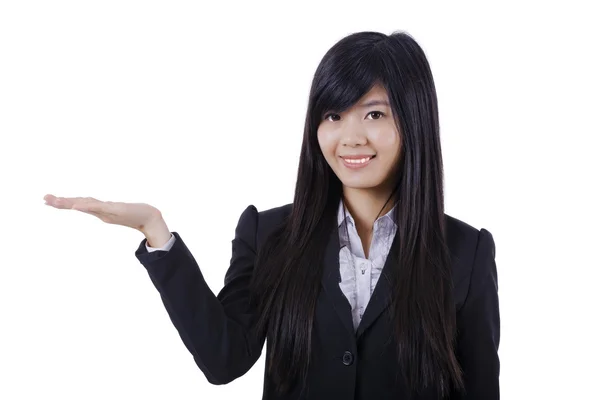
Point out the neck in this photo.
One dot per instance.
(365, 206)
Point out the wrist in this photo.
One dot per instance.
(156, 232)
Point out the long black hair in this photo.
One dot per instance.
(288, 270)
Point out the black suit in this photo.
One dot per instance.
(346, 364)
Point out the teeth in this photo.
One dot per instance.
(361, 161)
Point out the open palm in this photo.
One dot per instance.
(133, 215)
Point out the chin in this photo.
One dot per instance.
(364, 184)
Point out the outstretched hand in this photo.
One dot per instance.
(133, 215)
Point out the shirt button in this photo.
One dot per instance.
(347, 358)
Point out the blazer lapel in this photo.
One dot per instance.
(331, 281)
(381, 297)
(379, 300)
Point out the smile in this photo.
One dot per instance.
(357, 162)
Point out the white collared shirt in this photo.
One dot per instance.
(360, 274)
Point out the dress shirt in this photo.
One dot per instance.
(359, 274)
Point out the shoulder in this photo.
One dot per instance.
(473, 252)
(271, 216)
(268, 220)
(463, 238)
(254, 226)
(275, 214)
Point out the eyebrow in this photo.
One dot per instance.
(375, 103)
(371, 103)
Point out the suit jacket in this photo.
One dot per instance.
(346, 364)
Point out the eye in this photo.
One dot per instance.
(378, 113)
(331, 115)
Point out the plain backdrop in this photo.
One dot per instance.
(198, 109)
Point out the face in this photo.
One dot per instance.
(362, 144)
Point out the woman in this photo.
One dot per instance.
(363, 286)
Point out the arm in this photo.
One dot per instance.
(478, 323)
(158, 236)
(215, 329)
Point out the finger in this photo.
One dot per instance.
(88, 199)
(89, 207)
(101, 207)
(66, 202)
(83, 203)
(75, 200)
(101, 216)
(57, 202)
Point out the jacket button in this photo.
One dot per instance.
(347, 358)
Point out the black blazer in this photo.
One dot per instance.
(347, 364)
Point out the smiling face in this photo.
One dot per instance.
(362, 144)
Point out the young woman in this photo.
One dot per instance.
(363, 288)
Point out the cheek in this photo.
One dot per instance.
(386, 140)
(327, 144)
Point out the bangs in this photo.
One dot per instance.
(344, 79)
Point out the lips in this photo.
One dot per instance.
(358, 156)
(357, 161)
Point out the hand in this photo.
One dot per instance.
(133, 215)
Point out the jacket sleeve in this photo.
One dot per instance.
(215, 329)
(478, 323)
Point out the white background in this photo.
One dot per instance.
(199, 111)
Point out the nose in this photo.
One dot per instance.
(354, 136)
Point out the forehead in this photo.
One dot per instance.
(377, 91)
(377, 96)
